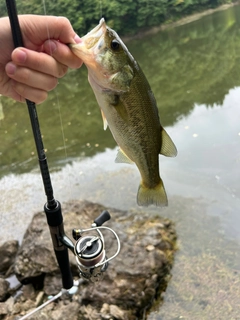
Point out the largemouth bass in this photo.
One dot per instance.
(128, 107)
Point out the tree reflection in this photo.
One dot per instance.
(196, 63)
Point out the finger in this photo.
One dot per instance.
(30, 77)
(36, 29)
(23, 92)
(38, 61)
(62, 53)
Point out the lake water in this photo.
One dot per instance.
(194, 72)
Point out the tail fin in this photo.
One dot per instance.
(156, 195)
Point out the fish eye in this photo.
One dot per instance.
(115, 45)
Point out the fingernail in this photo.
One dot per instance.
(50, 46)
(10, 68)
(21, 55)
(77, 39)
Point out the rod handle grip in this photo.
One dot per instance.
(63, 262)
(55, 223)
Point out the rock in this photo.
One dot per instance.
(28, 292)
(66, 312)
(10, 304)
(89, 312)
(39, 299)
(8, 252)
(36, 255)
(117, 313)
(4, 286)
(28, 304)
(17, 308)
(105, 311)
(3, 309)
(52, 284)
(133, 278)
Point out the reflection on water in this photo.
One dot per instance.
(195, 63)
(212, 138)
(194, 72)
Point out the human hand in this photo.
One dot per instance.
(30, 72)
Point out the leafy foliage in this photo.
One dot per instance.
(125, 16)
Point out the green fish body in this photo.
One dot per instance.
(128, 107)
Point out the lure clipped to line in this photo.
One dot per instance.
(128, 107)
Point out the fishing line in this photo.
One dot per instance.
(56, 89)
(59, 111)
(100, 4)
(45, 13)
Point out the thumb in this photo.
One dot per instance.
(62, 53)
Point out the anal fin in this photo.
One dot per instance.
(122, 157)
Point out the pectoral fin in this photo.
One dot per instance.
(105, 124)
(168, 148)
(122, 157)
(122, 111)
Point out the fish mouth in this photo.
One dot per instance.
(91, 42)
(92, 37)
(96, 32)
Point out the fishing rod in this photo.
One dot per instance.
(89, 249)
(52, 208)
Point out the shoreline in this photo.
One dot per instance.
(180, 22)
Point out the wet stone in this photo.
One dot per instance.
(129, 286)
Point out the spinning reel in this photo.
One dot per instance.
(89, 248)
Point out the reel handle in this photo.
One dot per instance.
(102, 218)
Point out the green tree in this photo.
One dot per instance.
(125, 16)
